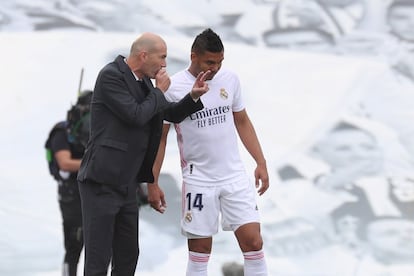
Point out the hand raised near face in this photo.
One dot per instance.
(200, 86)
(162, 80)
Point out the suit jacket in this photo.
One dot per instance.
(126, 126)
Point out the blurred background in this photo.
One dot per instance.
(328, 84)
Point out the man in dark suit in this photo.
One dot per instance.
(127, 114)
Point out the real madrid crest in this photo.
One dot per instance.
(188, 217)
(223, 93)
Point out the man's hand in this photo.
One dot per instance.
(200, 86)
(162, 80)
(156, 197)
(262, 176)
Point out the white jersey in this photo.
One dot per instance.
(207, 139)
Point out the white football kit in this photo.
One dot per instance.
(214, 176)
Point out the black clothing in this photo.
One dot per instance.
(72, 231)
(112, 218)
(126, 126)
(70, 204)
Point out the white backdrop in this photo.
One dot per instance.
(295, 95)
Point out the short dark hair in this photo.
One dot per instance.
(207, 41)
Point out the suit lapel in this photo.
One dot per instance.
(148, 83)
(133, 86)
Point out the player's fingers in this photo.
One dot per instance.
(199, 77)
(204, 75)
(262, 190)
(265, 186)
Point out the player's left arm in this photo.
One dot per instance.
(249, 139)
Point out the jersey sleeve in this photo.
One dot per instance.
(238, 103)
(59, 141)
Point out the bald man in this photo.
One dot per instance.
(127, 113)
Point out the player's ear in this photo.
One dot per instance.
(193, 56)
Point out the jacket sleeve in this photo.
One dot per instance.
(115, 94)
(178, 111)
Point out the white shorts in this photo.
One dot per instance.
(203, 205)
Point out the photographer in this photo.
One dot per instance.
(65, 147)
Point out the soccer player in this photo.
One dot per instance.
(214, 178)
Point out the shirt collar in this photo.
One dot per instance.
(135, 76)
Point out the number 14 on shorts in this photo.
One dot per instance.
(197, 202)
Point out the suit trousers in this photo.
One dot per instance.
(110, 220)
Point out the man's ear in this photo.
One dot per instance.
(143, 56)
